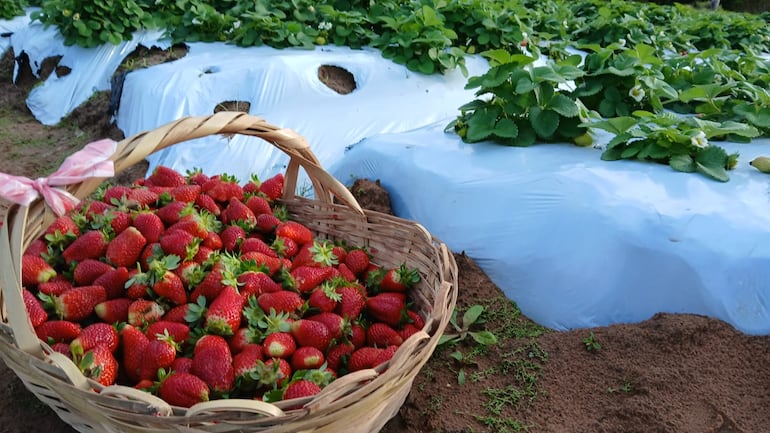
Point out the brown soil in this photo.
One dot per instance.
(671, 373)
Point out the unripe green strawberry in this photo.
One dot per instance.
(183, 389)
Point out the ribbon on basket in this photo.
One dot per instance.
(91, 161)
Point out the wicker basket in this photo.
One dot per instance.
(358, 402)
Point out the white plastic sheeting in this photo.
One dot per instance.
(579, 242)
(283, 87)
(9, 27)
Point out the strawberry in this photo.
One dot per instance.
(324, 298)
(125, 248)
(346, 273)
(37, 247)
(352, 303)
(62, 348)
(231, 237)
(273, 187)
(258, 205)
(179, 243)
(143, 196)
(149, 253)
(315, 254)
(63, 224)
(306, 358)
(279, 369)
(337, 325)
(171, 212)
(134, 343)
(212, 283)
(77, 303)
(54, 287)
(245, 363)
(159, 353)
(382, 335)
(237, 212)
(183, 389)
(241, 338)
(90, 245)
(279, 345)
(63, 331)
(222, 188)
(185, 193)
(165, 176)
(363, 358)
(95, 334)
(179, 332)
(285, 247)
(306, 278)
(182, 364)
(170, 287)
(116, 194)
(177, 314)
(190, 272)
(255, 244)
(295, 231)
(35, 311)
(337, 356)
(100, 365)
(213, 241)
(198, 224)
(224, 314)
(399, 279)
(113, 281)
(283, 301)
(203, 255)
(386, 355)
(388, 307)
(35, 270)
(87, 271)
(340, 253)
(311, 333)
(142, 312)
(95, 208)
(137, 286)
(149, 225)
(113, 310)
(357, 261)
(273, 264)
(118, 220)
(255, 283)
(357, 335)
(196, 176)
(208, 341)
(415, 319)
(407, 331)
(301, 388)
(267, 222)
(205, 202)
(214, 365)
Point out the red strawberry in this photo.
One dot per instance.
(340, 253)
(215, 366)
(35, 270)
(363, 358)
(137, 286)
(183, 389)
(224, 314)
(185, 193)
(237, 212)
(100, 365)
(399, 279)
(245, 362)
(142, 312)
(386, 355)
(357, 261)
(212, 283)
(63, 331)
(295, 231)
(113, 310)
(382, 335)
(93, 335)
(267, 222)
(223, 188)
(301, 388)
(324, 298)
(388, 307)
(159, 353)
(179, 243)
(162, 191)
(142, 196)
(113, 281)
(258, 205)
(87, 271)
(95, 208)
(134, 343)
(315, 254)
(170, 287)
(203, 255)
(63, 224)
(78, 303)
(273, 187)
(54, 287)
(283, 301)
(407, 331)
(37, 247)
(281, 371)
(338, 355)
(149, 225)
(171, 212)
(208, 341)
(273, 264)
(125, 248)
(279, 345)
(252, 244)
(357, 335)
(190, 272)
(177, 314)
(179, 332)
(118, 220)
(338, 326)
(311, 333)
(241, 338)
(165, 176)
(204, 201)
(90, 245)
(197, 176)
(232, 236)
(181, 364)
(62, 348)
(151, 252)
(35, 311)
(352, 302)
(416, 319)
(255, 283)
(346, 273)
(285, 247)
(307, 358)
(306, 278)
(197, 224)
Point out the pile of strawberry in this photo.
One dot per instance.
(195, 287)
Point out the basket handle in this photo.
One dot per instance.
(135, 148)
(237, 405)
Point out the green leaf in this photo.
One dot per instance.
(712, 156)
(527, 135)
(456, 356)
(471, 315)
(461, 377)
(485, 338)
(615, 125)
(544, 122)
(446, 338)
(564, 105)
(632, 149)
(524, 85)
(612, 154)
(506, 128)
(717, 173)
(682, 163)
(481, 125)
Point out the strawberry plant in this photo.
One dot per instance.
(12, 8)
(472, 317)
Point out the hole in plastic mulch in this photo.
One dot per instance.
(338, 79)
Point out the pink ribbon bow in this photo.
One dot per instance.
(92, 161)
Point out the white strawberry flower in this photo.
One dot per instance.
(699, 140)
(637, 93)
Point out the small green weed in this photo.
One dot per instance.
(591, 343)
